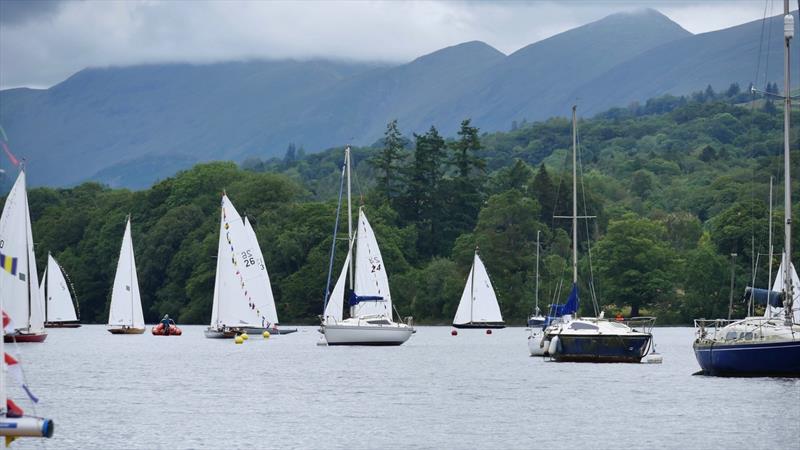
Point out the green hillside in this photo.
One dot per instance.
(677, 184)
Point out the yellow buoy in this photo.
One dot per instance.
(244, 336)
(266, 334)
(238, 339)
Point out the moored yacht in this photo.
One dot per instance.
(370, 301)
(569, 338)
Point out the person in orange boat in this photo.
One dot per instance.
(165, 323)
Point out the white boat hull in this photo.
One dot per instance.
(395, 334)
(535, 346)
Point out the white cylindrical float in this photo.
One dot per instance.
(552, 349)
(26, 426)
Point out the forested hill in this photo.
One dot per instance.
(131, 126)
(677, 184)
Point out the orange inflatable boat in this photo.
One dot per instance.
(158, 330)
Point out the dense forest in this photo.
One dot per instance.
(675, 186)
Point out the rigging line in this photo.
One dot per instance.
(760, 46)
(592, 293)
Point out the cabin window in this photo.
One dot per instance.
(731, 335)
(582, 326)
(748, 335)
(378, 322)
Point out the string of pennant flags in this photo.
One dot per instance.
(242, 285)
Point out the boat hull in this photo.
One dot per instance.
(126, 330)
(536, 321)
(480, 325)
(366, 335)
(230, 333)
(756, 359)
(603, 348)
(62, 325)
(158, 330)
(25, 337)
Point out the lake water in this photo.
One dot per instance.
(436, 391)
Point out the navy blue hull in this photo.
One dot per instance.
(764, 359)
(602, 348)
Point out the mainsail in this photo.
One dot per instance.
(236, 290)
(478, 301)
(126, 302)
(20, 293)
(59, 304)
(263, 299)
(371, 296)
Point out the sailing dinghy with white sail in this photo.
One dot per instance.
(125, 313)
(478, 307)
(370, 321)
(243, 300)
(60, 312)
(20, 293)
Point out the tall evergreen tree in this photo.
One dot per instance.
(387, 164)
(545, 191)
(424, 197)
(466, 189)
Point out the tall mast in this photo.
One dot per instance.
(769, 279)
(575, 196)
(472, 284)
(349, 211)
(130, 264)
(788, 34)
(536, 310)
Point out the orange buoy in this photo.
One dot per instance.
(488, 331)
(454, 333)
(619, 317)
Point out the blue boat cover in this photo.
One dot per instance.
(760, 296)
(570, 307)
(356, 299)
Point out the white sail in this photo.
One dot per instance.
(233, 293)
(370, 274)
(60, 307)
(20, 284)
(478, 301)
(257, 272)
(335, 307)
(778, 286)
(126, 302)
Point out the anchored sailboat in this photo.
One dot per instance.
(20, 293)
(243, 300)
(60, 312)
(478, 307)
(370, 321)
(588, 339)
(125, 313)
(767, 345)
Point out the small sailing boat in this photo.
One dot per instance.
(243, 301)
(20, 293)
(478, 307)
(370, 321)
(59, 310)
(768, 345)
(125, 313)
(571, 338)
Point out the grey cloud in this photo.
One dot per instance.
(42, 43)
(19, 11)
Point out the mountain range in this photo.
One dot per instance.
(129, 126)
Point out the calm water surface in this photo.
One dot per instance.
(436, 391)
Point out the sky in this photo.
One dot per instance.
(43, 42)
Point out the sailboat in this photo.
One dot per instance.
(370, 301)
(571, 338)
(768, 345)
(59, 310)
(537, 319)
(20, 294)
(125, 313)
(243, 301)
(478, 307)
